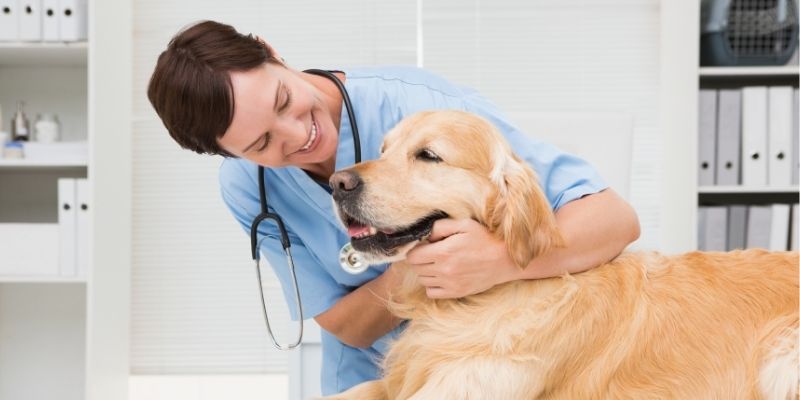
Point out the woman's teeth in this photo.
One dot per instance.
(312, 137)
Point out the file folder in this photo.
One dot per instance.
(795, 138)
(714, 230)
(73, 22)
(759, 220)
(67, 219)
(794, 244)
(83, 199)
(9, 21)
(30, 20)
(754, 136)
(779, 135)
(779, 228)
(729, 137)
(707, 130)
(50, 29)
(737, 227)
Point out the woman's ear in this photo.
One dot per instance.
(519, 213)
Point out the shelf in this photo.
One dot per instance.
(710, 195)
(41, 279)
(37, 164)
(745, 189)
(783, 70)
(18, 54)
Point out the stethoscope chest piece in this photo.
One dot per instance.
(351, 261)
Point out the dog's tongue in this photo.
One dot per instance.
(356, 229)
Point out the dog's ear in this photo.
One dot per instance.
(518, 211)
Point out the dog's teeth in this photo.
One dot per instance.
(372, 230)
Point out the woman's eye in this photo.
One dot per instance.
(265, 144)
(427, 155)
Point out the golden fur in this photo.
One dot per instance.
(645, 325)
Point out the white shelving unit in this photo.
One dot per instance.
(66, 337)
(735, 78)
(42, 322)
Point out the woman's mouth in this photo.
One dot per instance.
(312, 137)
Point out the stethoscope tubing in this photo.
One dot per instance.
(285, 243)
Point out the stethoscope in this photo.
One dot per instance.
(348, 258)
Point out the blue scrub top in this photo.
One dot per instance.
(381, 97)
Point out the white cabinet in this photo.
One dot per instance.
(64, 333)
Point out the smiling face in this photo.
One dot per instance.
(281, 118)
(435, 165)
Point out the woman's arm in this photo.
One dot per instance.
(360, 318)
(595, 228)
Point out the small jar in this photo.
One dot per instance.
(47, 128)
(13, 150)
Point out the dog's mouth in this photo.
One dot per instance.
(368, 239)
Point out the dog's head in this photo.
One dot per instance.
(442, 164)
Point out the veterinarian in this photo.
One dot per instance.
(220, 92)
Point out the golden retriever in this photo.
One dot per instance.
(645, 325)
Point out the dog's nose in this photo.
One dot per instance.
(345, 183)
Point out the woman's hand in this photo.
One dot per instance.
(461, 259)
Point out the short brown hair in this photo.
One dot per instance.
(191, 88)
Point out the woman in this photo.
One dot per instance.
(221, 92)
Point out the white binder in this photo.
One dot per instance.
(794, 244)
(714, 228)
(83, 208)
(754, 136)
(759, 220)
(779, 166)
(707, 131)
(9, 21)
(72, 20)
(729, 137)
(779, 228)
(67, 219)
(795, 138)
(30, 20)
(737, 227)
(50, 30)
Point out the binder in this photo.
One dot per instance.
(72, 20)
(779, 166)
(67, 219)
(795, 138)
(714, 230)
(50, 29)
(30, 20)
(754, 136)
(794, 243)
(707, 131)
(9, 21)
(759, 219)
(702, 222)
(779, 229)
(83, 199)
(737, 227)
(729, 137)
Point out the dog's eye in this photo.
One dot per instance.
(427, 155)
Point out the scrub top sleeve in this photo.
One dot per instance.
(563, 176)
(318, 290)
